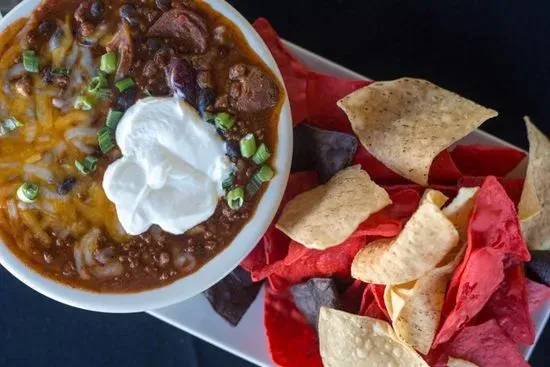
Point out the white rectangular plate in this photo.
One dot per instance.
(248, 339)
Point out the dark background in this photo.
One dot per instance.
(494, 52)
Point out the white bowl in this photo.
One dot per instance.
(219, 266)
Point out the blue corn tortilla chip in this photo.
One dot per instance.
(310, 296)
(328, 152)
(538, 268)
(232, 296)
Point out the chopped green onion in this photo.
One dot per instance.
(261, 155)
(248, 146)
(235, 198)
(98, 83)
(124, 84)
(105, 139)
(253, 186)
(87, 166)
(108, 62)
(104, 93)
(113, 117)
(30, 61)
(28, 192)
(265, 173)
(61, 71)
(227, 184)
(83, 103)
(224, 121)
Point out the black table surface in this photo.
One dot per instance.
(494, 52)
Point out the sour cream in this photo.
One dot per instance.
(172, 167)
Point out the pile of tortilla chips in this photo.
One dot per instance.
(393, 245)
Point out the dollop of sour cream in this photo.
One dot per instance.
(172, 167)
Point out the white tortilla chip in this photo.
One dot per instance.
(416, 306)
(459, 210)
(348, 340)
(435, 197)
(425, 240)
(455, 362)
(534, 206)
(327, 215)
(406, 123)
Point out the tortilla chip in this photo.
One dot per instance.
(486, 345)
(537, 295)
(294, 73)
(232, 296)
(310, 296)
(372, 303)
(494, 242)
(434, 197)
(482, 160)
(534, 207)
(406, 123)
(352, 297)
(513, 186)
(459, 210)
(415, 307)
(427, 237)
(323, 91)
(328, 152)
(455, 362)
(539, 266)
(348, 340)
(509, 307)
(290, 340)
(327, 215)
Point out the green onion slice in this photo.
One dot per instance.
(61, 71)
(224, 121)
(87, 166)
(253, 186)
(227, 184)
(124, 84)
(98, 83)
(30, 61)
(108, 62)
(83, 103)
(235, 198)
(105, 139)
(248, 146)
(113, 117)
(265, 173)
(28, 192)
(261, 155)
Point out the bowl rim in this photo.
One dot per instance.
(218, 267)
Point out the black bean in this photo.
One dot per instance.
(183, 79)
(164, 5)
(47, 27)
(47, 76)
(126, 99)
(205, 98)
(129, 14)
(97, 10)
(66, 186)
(232, 149)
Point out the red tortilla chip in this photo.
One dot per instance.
(443, 169)
(351, 298)
(294, 73)
(323, 92)
(372, 303)
(290, 339)
(537, 295)
(494, 242)
(513, 186)
(404, 203)
(481, 160)
(508, 306)
(486, 345)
